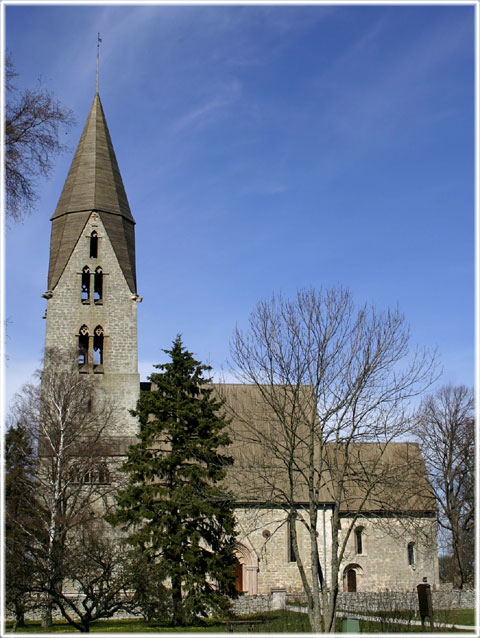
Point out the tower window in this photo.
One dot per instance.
(86, 284)
(98, 347)
(291, 551)
(359, 540)
(98, 285)
(411, 553)
(93, 245)
(83, 346)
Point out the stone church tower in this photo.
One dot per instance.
(92, 289)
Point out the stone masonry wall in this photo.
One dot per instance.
(117, 314)
(383, 563)
(391, 601)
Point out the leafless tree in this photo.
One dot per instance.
(34, 119)
(69, 421)
(331, 377)
(445, 428)
(97, 576)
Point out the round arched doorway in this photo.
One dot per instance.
(352, 578)
(246, 570)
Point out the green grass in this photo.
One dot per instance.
(447, 618)
(275, 622)
(444, 616)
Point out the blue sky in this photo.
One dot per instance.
(265, 148)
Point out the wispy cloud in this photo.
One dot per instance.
(222, 97)
(365, 110)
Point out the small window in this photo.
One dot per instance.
(359, 540)
(291, 552)
(93, 476)
(103, 475)
(86, 284)
(93, 245)
(98, 347)
(83, 346)
(98, 285)
(411, 553)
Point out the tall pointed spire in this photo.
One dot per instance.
(93, 183)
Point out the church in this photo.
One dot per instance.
(92, 303)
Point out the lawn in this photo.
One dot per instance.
(443, 620)
(274, 622)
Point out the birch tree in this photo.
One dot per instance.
(68, 419)
(331, 376)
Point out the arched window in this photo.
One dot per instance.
(86, 284)
(93, 245)
(411, 553)
(359, 540)
(90, 476)
(98, 347)
(83, 346)
(103, 474)
(98, 285)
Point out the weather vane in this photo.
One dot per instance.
(99, 39)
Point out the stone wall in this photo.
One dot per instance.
(383, 563)
(119, 381)
(392, 601)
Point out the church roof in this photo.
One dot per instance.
(380, 477)
(93, 183)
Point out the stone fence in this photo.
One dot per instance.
(392, 601)
(353, 602)
(358, 601)
(262, 602)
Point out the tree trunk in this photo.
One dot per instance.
(47, 614)
(19, 616)
(177, 616)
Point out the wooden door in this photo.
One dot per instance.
(351, 580)
(238, 575)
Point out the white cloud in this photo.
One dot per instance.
(222, 97)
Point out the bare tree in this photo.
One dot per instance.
(33, 121)
(445, 428)
(331, 377)
(97, 576)
(68, 419)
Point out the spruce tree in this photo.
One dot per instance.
(21, 524)
(174, 505)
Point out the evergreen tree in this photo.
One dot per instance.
(174, 505)
(20, 520)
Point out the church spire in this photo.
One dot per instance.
(99, 39)
(93, 183)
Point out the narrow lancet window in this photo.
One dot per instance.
(83, 347)
(86, 284)
(411, 553)
(93, 245)
(98, 285)
(291, 552)
(359, 540)
(98, 347)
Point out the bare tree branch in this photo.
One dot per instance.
(333, 384)
(33, 122)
